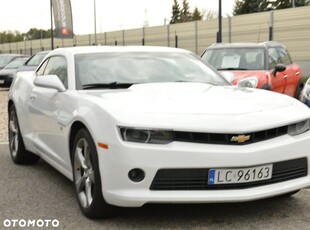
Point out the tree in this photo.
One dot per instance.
(283, 4)
(249, 6)
(16, 36)
(253, 6)
(196, 15)
(185, 13)
(176, 13)
(209, 14)
(34, 33)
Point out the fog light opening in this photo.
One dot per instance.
(136, 175)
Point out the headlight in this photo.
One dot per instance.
(147, 135)
(250, 82)
(299, 128)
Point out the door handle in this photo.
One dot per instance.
(297, 73)
(285, 76)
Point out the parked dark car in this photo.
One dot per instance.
(7, 58)
(8, 72)
(33, 62)
(266, 65)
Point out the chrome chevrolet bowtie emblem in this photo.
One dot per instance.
(241, 138)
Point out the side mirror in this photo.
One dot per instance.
(278, 68)
(49, 81)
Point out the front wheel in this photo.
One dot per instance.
(18, 152)
(86, 177)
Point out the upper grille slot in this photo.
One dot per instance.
(226, 139)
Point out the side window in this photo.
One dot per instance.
(41, 69)
(285, 57)
(58, 66)
(273, 58)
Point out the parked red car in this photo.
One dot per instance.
(265, 65)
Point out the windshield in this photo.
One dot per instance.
(142, 67)
(4, 60)
(36, 59)
(16, 63)
(235, 58)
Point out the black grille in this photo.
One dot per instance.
(197, 179)
(214, 138)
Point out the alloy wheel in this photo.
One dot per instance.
(83, 173)
(13, 133)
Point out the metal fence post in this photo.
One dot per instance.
(176, 40)
(229, 29)
(168, 35)
(196, 37)
(143, 36)
(271, 26)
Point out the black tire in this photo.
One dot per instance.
(18, 152)
(299, 88)
(266, 87)
(86, 177)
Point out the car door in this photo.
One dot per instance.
(292, 73)
(277, 81)
(46, 106)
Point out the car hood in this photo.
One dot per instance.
(191, 105)
(7, 71)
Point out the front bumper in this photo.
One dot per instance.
(6, 80)
(119, 190)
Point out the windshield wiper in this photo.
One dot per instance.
(231, 68)
(111, 85)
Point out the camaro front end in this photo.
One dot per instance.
(199, 167)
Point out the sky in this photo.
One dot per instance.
(111, 15)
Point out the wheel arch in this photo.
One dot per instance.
(10, 103)
(299, 87)
(75, 127)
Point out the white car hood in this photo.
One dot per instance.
(198, 106)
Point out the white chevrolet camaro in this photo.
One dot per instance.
(137, 125)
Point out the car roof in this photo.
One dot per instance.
(101, 49)
(245, 45)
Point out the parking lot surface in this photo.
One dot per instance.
(3, 114)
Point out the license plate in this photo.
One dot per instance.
(241, 175)
(1, 81)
